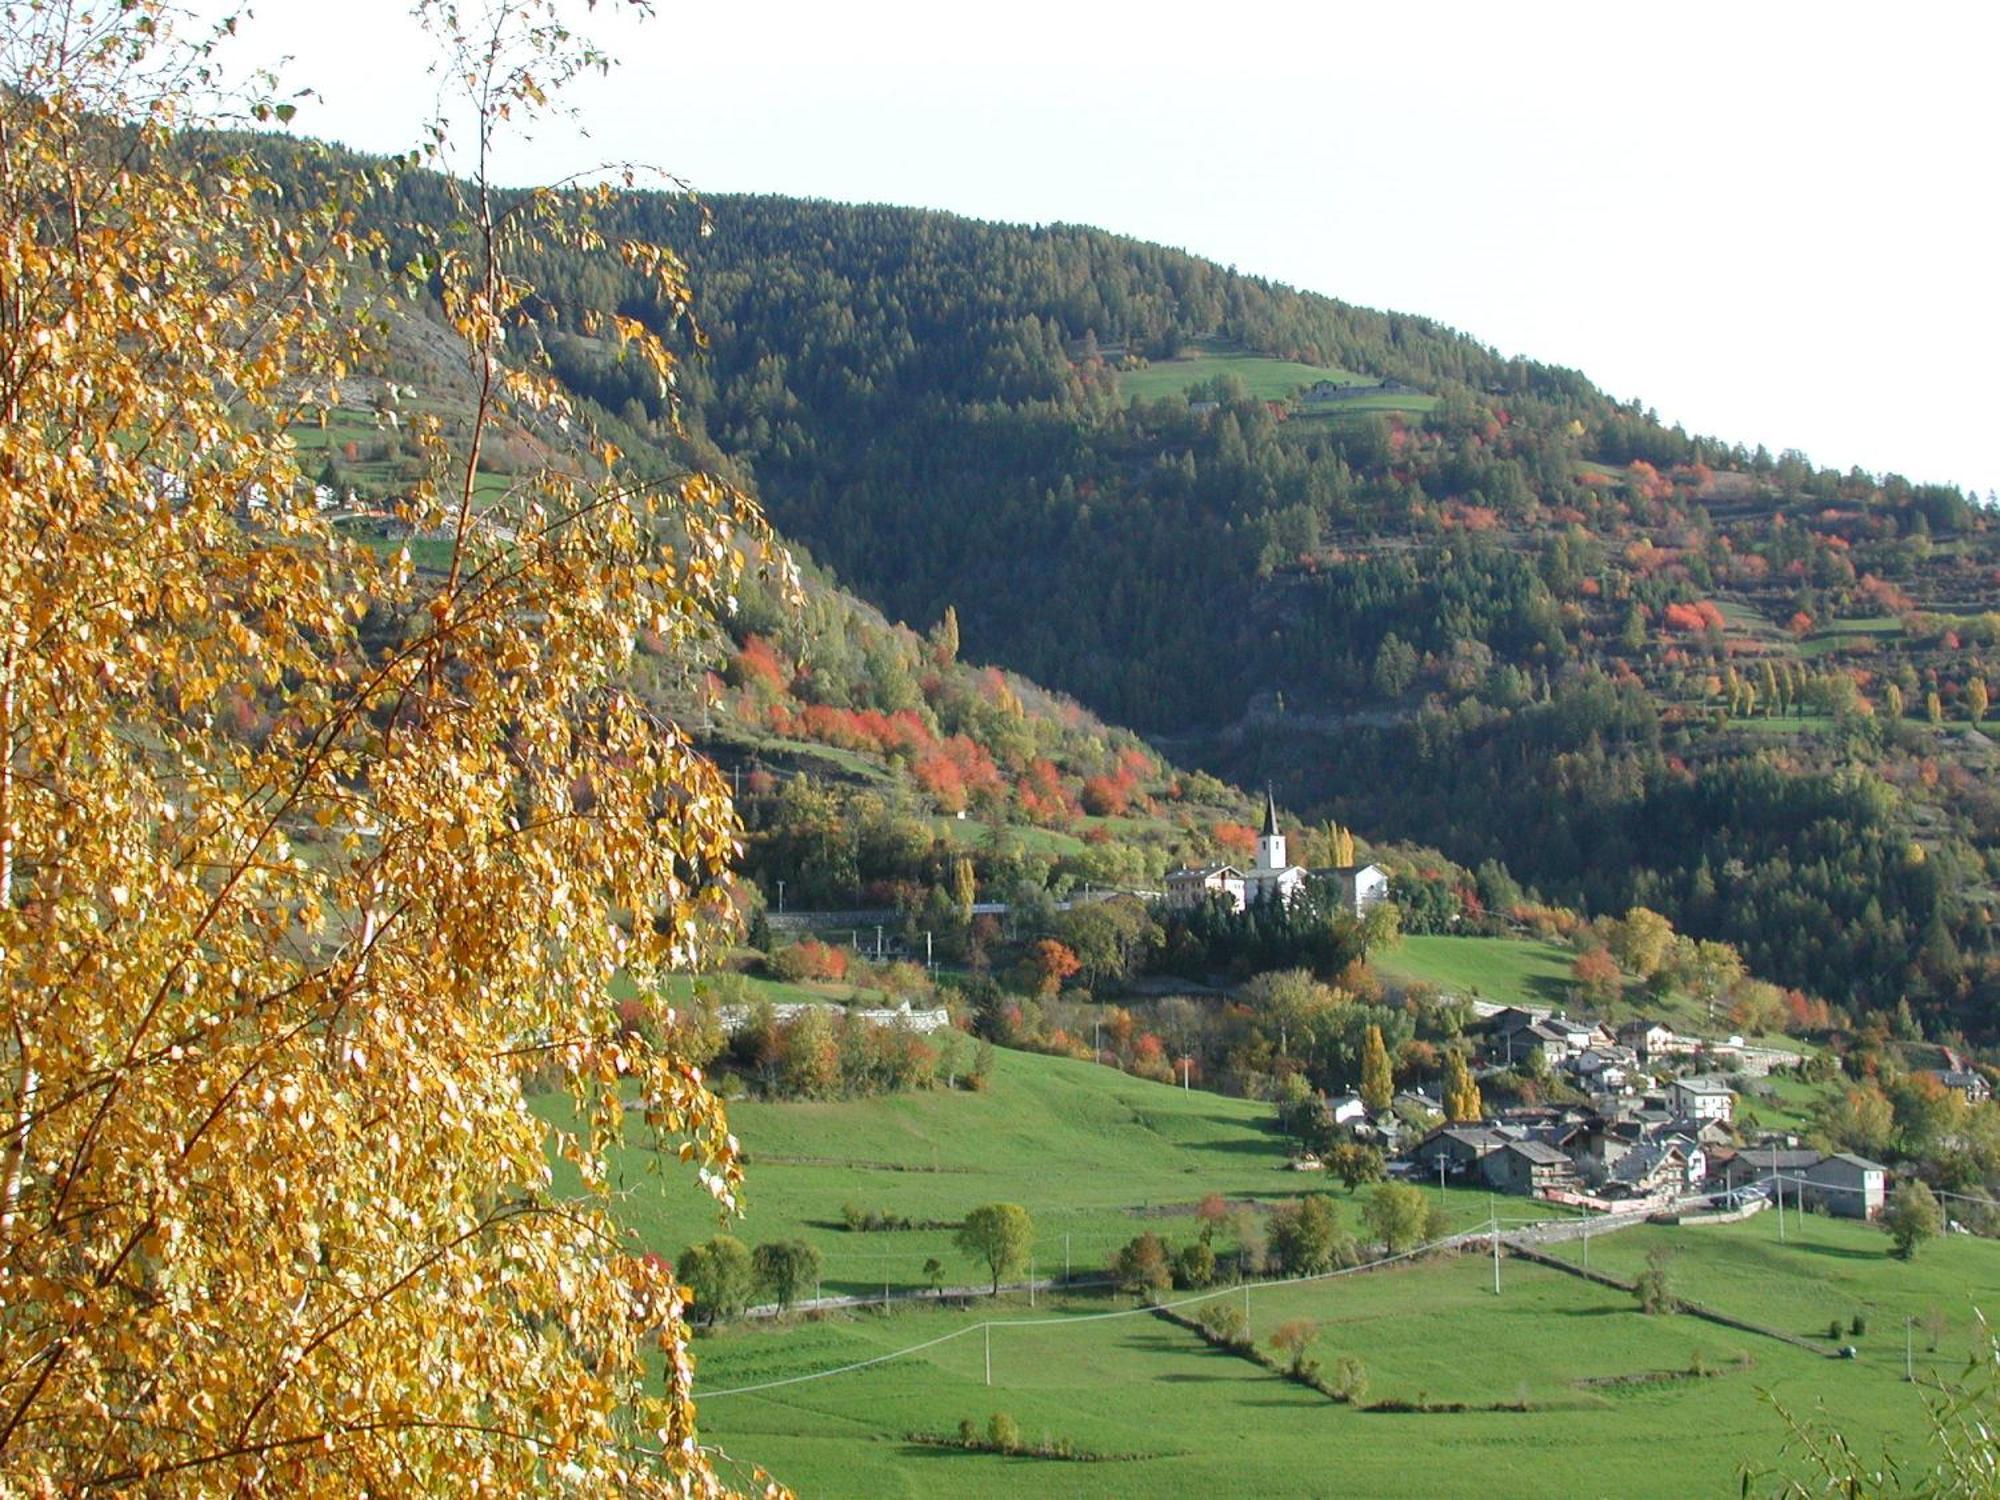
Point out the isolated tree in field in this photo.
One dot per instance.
(1211, 1214)
(1396, 1214)
(1355, 1164)
(1194, 1266)
(784, 1268)
(1296, 1338)
(1306, 1236)
(1461, 1093)
(1001, 1235)
(1378, 1081)
(718, 1272)
(275, 1214)
(1141, 1265)
(1912, 1217)
(1653, 1286)
(934, 1275)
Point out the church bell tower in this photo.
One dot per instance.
(1271, 843)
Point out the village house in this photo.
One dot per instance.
(1513, 1035)
(1610, 1068)
(1701, 1099)
(1357, 887)
(1528, 1167)
(1459, 1147)
(1972, 1085)
(1273, 877)
(1347, 1109)
(1763, 1164)
(1191, 887)
(1847, 1186)
(1675, 1164)
(1649, 1039)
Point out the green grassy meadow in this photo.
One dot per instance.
(1095, 1156)
(1188, 1417)
(1502, 970)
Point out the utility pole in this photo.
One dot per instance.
(781, 898)
(1496, 1255)
(878, 941)
(1779, 1182)
(1586, 1240)
(989, 1354)
(929, 962)
(1031, 1281)
(1440, 1177)
(1909, 1367)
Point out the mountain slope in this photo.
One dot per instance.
(1450, 597)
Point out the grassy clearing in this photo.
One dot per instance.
(1208, 1422)
(1789, 1108)
(970, 832)
(1509, 971)
(1266, 379)
(1374, 401)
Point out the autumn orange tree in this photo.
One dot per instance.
(275, 1216)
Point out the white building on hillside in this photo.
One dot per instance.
(1272, 877)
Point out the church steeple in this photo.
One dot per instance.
(1271, 843)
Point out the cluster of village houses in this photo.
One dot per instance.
(1656, 1129)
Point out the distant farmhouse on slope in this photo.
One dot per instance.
(1274, 877)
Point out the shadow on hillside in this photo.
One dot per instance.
(1550, 990)
(1232, 1148)
(1841, 1252)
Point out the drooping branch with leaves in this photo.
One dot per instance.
(274, 1212)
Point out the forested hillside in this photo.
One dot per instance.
(1446, 596)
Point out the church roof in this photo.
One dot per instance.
(1270, 814)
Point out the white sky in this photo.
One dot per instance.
(1773, 222)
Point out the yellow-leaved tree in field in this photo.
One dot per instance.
(309, 863)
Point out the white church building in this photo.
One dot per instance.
(1273, 877)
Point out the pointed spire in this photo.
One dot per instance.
(1270, 812)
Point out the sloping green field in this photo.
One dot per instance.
(1192, 1419)
(1094, 1155)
